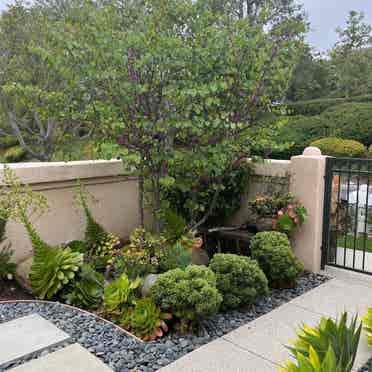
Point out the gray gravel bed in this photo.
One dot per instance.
(124, 353)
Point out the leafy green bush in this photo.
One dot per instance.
(120, 293)
(317, 106)
(239, 279)
(333, 146)
(331, 343)
(370, 151)
(146, 320)
(176, 256)
(14, 154)
(87, 289)
(188, 294)
(273, 252)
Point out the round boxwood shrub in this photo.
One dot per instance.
(273, 252)
(188, 294)
(333, 146)
(239, 279)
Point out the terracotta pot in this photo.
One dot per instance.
(198, 243)
(265, 224)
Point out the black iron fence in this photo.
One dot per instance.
(347, 220)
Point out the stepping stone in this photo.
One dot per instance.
(27, 335)
(73, 358)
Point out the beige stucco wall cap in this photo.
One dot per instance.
(312, 151)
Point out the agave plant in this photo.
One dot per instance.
(146, 320)
(88, 289)
(120, 293)
(342, 338)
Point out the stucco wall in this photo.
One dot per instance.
(115, 207)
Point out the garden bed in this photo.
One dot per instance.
(125, 353)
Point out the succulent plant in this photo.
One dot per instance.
(87, 289)
(120, 293)
(146, 320)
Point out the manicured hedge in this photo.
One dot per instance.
(333, 146)
(351, 121)
(317, 106)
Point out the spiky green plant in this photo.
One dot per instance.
(313, 363)
(88, 289)
(7, 268)
(52, 267)
(146, 320)
(119, 294)
(342, 338)
(367, 322)
(99, 243)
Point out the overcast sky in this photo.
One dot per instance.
(324, 15)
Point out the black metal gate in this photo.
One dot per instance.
(347, 220)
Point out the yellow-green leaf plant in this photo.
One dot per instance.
(330, 344)
(367, 323)
(52, 267)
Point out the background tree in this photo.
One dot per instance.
(41, 104)
(180, 84)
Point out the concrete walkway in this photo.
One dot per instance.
(259, 346)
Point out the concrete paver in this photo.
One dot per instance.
(73, 358)
(260, 345)
(220, 356)
(27, 335)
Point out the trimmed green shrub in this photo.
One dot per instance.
(273, 252)
(351, 121)
(239, 279)
(189, 294)
(333, 146)
(14, 154)
(317, 106)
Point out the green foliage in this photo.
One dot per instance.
(367, 322)
(7, 142)
(273, 252)
(317, 106)
(87, 289)
(142, 256)
(52, 267)
(312, 363)
(14, 154)
(192, 204)
(120, 294)
(77, 246)
(180, 103)
(333, 146)
(100, 245)
(146, 320)
(239, 279)
(189, 294)
(316, 342)
(7, 268)
(270, 205)
(370, 151)
(176, 256)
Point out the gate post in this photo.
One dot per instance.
(307, 184)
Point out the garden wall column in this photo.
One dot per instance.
(307, 184)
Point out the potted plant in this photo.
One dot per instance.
(277, 212)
